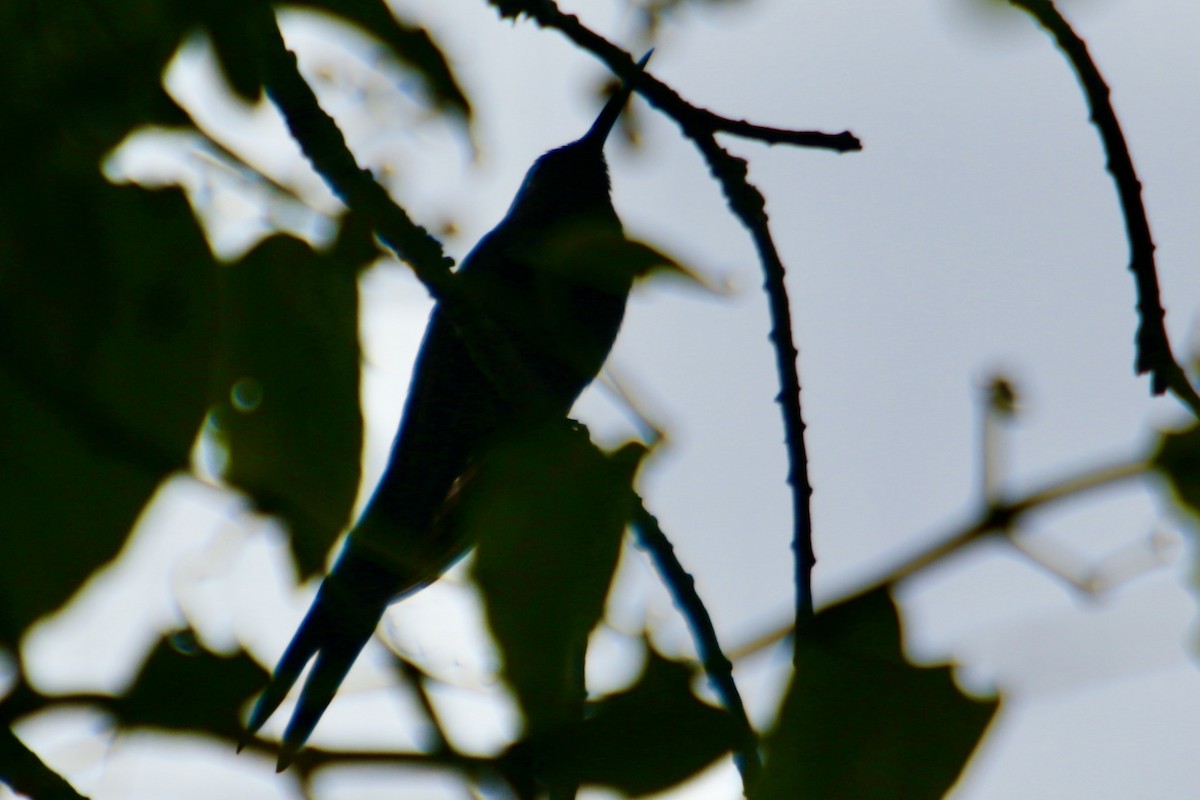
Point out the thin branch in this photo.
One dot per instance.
(1154, 354)
(222, 156)
(1002, 517)
(844, 142)
(749, 206)
(762, 641)
(415, 677)
(27, 774)
(692, 118)
(997, 518)
(1131, 561)
(24, 701)
(1158, 549)
(999, 406)
(313, 759)
(718, 668)
(325, 147)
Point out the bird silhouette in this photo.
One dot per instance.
(543, 285)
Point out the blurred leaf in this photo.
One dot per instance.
(548, 510)
(184, 688)
(63, 63)
(1178, 459)
(508, 9)
(860, 722)
(644, 740)
(106, 297)
(604, 258)
(411, 45)
(231, 26)
(288, 405)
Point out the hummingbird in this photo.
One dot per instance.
(547, 291)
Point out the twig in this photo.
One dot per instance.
(325, 147)
(23, 701)
(762, 641)
(27, 774)
(313, 759)
(1154, 354)
(999, 517)
(1002, 517)
(1131, 561)
(720, 672)
(415, 677)
(651, 434)
(690, 117)
(749, 206)
(226, 157)
(843, 142)
(999, 406)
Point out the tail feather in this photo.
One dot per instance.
(334, 660)
(304, 645)
(342, 618)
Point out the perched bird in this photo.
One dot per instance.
(543, 287)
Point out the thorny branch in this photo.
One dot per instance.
(1154, 354)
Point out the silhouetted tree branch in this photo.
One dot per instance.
(1154, 354)
(716, 666)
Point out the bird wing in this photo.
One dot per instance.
(394, 548)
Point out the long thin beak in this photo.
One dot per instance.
(598, 133)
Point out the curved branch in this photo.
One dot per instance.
(748, 204)
(1154, 354)
(718, 668)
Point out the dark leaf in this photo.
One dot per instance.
(184, 688)
(1178, 459)
(644, 740)
(237, 44)
(508, 9)
(860, 722)
(548, 510)
(106, 297)
(288, 407)
(604, 258)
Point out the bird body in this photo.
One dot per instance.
(559, 311)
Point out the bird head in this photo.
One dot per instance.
(572, 180)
